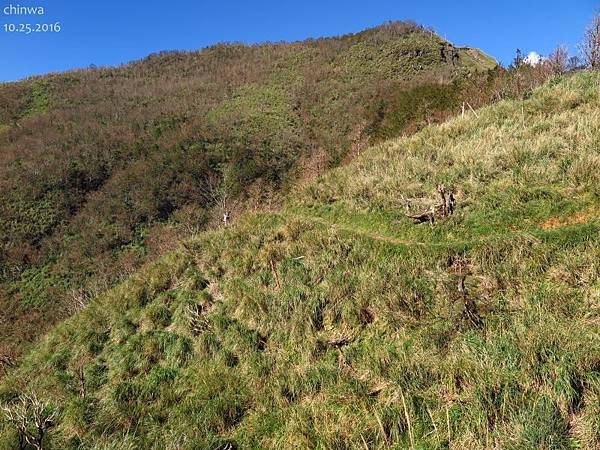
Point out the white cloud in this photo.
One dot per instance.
(533, 59)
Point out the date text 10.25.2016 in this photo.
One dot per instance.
(29, 28)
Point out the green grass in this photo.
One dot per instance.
(93, 157)
(337, 323)
(40, 98)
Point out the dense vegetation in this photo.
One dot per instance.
(336, 322)
(103, 169)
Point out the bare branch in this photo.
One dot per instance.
(590, 47)
(31, 418)
(558, 60)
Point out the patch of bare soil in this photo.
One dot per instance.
(580, 217)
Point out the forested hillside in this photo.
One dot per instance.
(106, 168)
(339, 321)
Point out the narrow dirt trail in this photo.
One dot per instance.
(358, 231)
(407, 242)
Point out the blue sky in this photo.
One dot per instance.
(110, 32)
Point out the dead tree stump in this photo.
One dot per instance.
(445, 208)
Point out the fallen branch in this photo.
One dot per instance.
(426, 216)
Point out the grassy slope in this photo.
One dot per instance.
(337, 323)
(101, 169)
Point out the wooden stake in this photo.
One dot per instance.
(471, 108)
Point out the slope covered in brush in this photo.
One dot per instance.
(102, 169)
(338, 323)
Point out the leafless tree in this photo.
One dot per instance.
(32, 419)
(214, 192)
(590, 47)
(79, 298)
(218, 192)
(574, 64)
(558, 60)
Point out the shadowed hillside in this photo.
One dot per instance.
(104, 169)
(338, 322)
